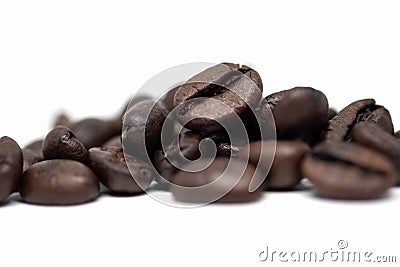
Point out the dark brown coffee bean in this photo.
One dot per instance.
(382, 118)
(36, 148)
(285, 171)
(299, 113)
(114, 141)
(110, 165)
(237, 87)
(331, 113)
(94, 132)
(143, 123)
(62, 119)
(61, 143)
(58, 182)
(30, 158)
(340, 126)
(223, 179)
(348, 171)
(189, 147)
(10, 166)
(374, 137)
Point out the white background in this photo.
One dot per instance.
(88, 57)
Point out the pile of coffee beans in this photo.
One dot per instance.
(288, 136)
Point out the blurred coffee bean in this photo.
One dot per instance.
(11, 163)
(188, 148)
(30, 158)
(331, 113)
(397, 134)
(226, 89)
(299, 113)
(348, 171)
(94, 132)
(58, 182)
(62, 119)
(110, 165)
(285, 171)
(36, 148)
(114, 141)
(61, 143)
(374, 137)
(223, 180)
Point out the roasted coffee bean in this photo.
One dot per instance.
(10, 166)
(331, 113)
(374, 137)
(189, 143)
(30, 158)
(110, 165)
(299, 113)
(340, 126)
(94, 132)
(114, 141)
(61, 143)
(142, 128)
(223, 179)
(58, 182)
(285, 171)
(237, 89)
(36, 148)
(381, 117)
(62, 119)
(348, 171)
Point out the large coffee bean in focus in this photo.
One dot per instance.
(11, 163)
(348, 171)
(58, 182)
(237, 87)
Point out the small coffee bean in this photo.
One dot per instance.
(299, 113)
(58, 182)
(348, 171)
(222, 178)
(62, 119)
(36, 148)
(285, 171)
(143, 123)
(110, 165)
(114, 141)
(10, 166)
(61, 143)
(374, 137)
(30, 158)
(340, 126)
(234, 86)
(94, 132)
